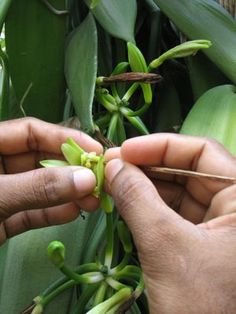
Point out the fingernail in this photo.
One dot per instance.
(85, 181)
(112, 169)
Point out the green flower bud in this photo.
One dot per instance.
(56, 253)
(184, 50)
(138, 64)
(120, 68)
(136, 59)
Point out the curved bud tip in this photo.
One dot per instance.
(56, 253)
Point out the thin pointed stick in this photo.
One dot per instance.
(188, 173)
(153, 171)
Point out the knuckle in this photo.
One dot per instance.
(130, 193)
(32, 142)
(45, 191)
(26, 220)
(29, 120)
(212, 143)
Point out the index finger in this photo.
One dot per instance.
(179, 151)
(30, 134)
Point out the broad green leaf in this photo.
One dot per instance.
(35, 39)
(166, 109)
(206, 19)
(214, 116)
(4, 6)
(204, 74)
(117, 17)
(81, 70)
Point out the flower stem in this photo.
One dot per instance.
(110, 240)
(104, 307)
(122, 264)
(115, 284)
(47, 299)
(91, 277)
(101, 293)
(86, 295)
(89, 267)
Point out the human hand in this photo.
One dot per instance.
(55, 194)
(187, 268)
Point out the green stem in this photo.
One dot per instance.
(130, 92)
(140, 288)
(45, 300)
(54, 10)
(112, 126)
(116, 285)
(140, 111)
(115, 92)
(122, 264)
(129, 271)
(104, 307)
(91, 277)
(106, 100)
(84, 298)
(121, 133)
(89, 267)
(56, 292)
(135, 121)
(101, 293)
(133, 273)
(110, 240)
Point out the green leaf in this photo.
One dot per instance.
(117, 17)
(214, 116)
(81, 70)
(204, 74)
(4, 6)
(206, 19)
(35, 40)
(94, 3)
(166, 110)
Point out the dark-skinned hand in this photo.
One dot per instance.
(184, 228)
(33, 198)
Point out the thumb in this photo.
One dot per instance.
(157, 230)
(44, 188)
